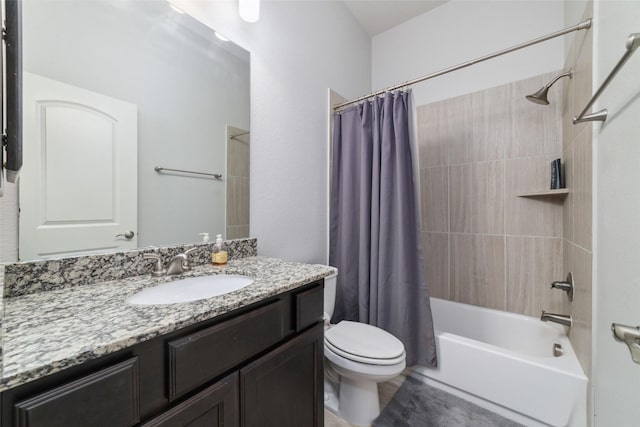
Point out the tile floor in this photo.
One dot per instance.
(386, 390)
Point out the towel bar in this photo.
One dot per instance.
(633, 41)
(160, 169)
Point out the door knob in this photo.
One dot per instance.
(630, 336)
(128, 235)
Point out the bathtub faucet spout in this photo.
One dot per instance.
(562, 319)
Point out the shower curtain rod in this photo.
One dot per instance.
(584, 25)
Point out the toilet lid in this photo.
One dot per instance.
(363, 342)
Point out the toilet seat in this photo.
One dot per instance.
(364, 343)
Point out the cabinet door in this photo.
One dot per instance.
(284, 388)
(215, 406)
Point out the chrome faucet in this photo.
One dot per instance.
(178, 264)
(562, 319)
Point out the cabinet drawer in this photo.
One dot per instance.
(309, 307)
(201, 356)
(107, 398)
(216, 405)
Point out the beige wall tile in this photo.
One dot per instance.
(531, 216)
(234, 158)
(455, 126)
(477, 270)
(568, 87)
(477, 198)
(535, 129)
(488, 198)
(532, 264)
(237, 152)
(567, 207)
(432, 144)
(461, 198)
(479, 131)
(491, 120)
(435, 198)
(579, 262)
(237, 231)
(582, 188)
(581, 311)
(577, 257)
(237, 201)
(567, 267)
(436, 254)
(238, 158)
(237, 182)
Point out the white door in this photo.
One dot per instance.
(617, 249)
(78, 184)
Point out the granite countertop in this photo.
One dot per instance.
(49, 331)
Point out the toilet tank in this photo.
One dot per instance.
(330, 292)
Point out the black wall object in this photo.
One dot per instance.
(14, 89)
(557, 180)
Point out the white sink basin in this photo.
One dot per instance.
(191, 289)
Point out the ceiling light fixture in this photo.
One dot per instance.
(249, 10)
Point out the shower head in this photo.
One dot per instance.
(540, 97)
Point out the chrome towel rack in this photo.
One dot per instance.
(633, 41)
(160, 169)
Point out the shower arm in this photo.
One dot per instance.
(584, 25)
(633, 41)
(568, 73)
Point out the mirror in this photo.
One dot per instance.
(112, 91)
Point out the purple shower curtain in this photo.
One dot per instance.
(375, 229)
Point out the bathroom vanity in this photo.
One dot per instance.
(253, 357)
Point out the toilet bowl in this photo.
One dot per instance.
(357, 357)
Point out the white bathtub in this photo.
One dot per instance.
(505, 363)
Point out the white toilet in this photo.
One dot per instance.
(357, 357)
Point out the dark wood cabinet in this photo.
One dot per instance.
(285, 387)
(216, 406)
(259, 366)
(196, 358)
(106, 398)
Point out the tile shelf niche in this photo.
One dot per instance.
(561, 192)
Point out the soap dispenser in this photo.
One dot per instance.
(219, 253)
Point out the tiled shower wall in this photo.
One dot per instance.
(483, 244)
(577, 156)
(238, 142)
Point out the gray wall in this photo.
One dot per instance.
(460, 31)
(298, 50)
